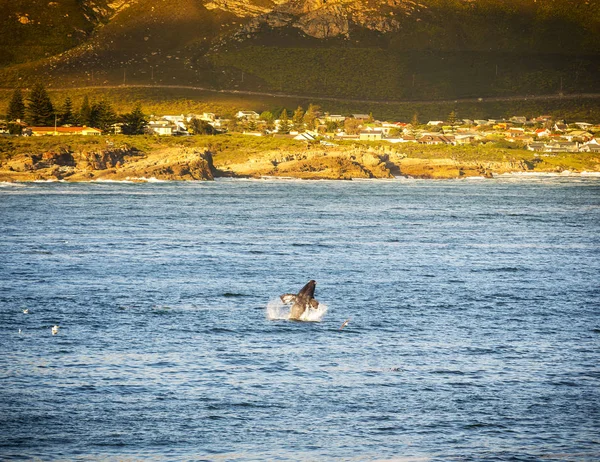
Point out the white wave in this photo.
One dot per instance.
(277, 310)
(100, 180)
(593, 174)
(49, 181)
(9, 184)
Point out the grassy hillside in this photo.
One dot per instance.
(162, 101)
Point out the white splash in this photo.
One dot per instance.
(277, 310)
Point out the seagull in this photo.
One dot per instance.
(345, 323)
(26, 311)
(55, 330)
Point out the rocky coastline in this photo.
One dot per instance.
(198, 162)
(110, 164)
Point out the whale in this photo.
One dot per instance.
(302, 301)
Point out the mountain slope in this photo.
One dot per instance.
(391, 49)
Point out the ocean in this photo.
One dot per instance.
(472, 309)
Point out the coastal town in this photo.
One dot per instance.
(540, 134)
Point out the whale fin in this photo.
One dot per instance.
(288, 298)
(314, 303)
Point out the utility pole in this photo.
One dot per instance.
(561, 85)
(124, 71)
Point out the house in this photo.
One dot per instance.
(558, 127)
(561, 146)
(518, 120)
(162, 127)
(481, 122)
(247, 115)
(360, 116)
(536, 146)
(402, 139)
(542, 133)
(583, 125)
(343, 136)
(436, 139)
(208, 116)
(578, 135)
(85, 131)
(176, 119)
(306, 136)
(591, 146)
(466, 138)
(515, 132)
(435, 123)
(334, 118)
(371, 135)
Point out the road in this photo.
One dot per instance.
(492, 99)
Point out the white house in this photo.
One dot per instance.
(248, 115)
(162, 127)
(371, 135)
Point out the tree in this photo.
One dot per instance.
(201, 127)
(331, 126)
(415, 120)
(352, 126)
(371, 119)
(85, 112)
(269, 118)
(66, 116)
(16, 107)
(102, 116)
(310, 116)
(284, 122)
(40, 111)
(135, 122)
(452, 118)
(298, 119)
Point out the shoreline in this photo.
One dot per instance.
(400, 179)
(207, 158)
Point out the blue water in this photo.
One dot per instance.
(474, 328)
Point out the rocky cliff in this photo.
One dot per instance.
(172, 163)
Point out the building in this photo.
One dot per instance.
(248, 115)
(84, 131)
(371, 135)
(162, 127)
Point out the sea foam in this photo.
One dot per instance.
(277, 310)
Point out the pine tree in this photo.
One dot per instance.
(102, 116)
(415, 120)
(284, 122)
(40, 111)
(298, 119)
(85, 112)
(16, 107)
(135, 122)
(452, 118)
(67, 117)
(310, 116)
